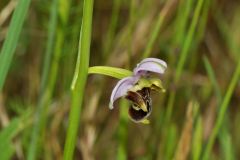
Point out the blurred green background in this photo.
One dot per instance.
(196, 118)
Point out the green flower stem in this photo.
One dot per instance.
(118, 73)
(80, 79)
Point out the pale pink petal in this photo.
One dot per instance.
(150, 65)
(121, 89)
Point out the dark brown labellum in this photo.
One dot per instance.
(142, 104)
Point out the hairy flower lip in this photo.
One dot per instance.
(143, 104)
(137, 100)
(138, 115)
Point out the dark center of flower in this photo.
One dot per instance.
(142, 104)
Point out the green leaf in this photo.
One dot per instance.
(110, 71)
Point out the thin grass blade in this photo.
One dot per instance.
(223, 108)
(10, 43)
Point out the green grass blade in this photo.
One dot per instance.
(44, 97)
(156, 29)
(226, 33)
(112, 28)
(188, 41)
(197, 139)
(184, 9)
(81, 73)
(222, 111)
(202, 25)
(171, 141)
(226, 144)
(212, 77)
(7, 134)
(10, 43)
(183, 56)
(50, 44)
(153, 36)
(197, 135)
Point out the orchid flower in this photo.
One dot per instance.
(137, 88)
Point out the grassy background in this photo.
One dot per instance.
(197, 118)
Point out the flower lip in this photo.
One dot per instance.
(137, 100)
(142, 104)
(138, 115)
(150, 65)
